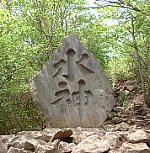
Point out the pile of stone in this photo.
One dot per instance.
(136, 114)
(76, 141)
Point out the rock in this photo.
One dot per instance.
(75, 78)
(134, 148)
(62, 134)
(138, 136)
(6, 138)
(112, 138)
(92, 144)
(79, 136)
(90, 139)
(110, 116)
(3, 148)
(125, 119)
(115, 151)
(43, 135)
(17, 142)
(66, 147)
(29, 145)
(17, 150)
(130, 88)
(95, 147)
(25, 142)
(46, 149)
(118, 109)
(121, 127)
(116, 120)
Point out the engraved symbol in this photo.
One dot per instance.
(59, 67)
(68, 68)
(63, 96)
(71, 64)
(84, 69)
(82, 98)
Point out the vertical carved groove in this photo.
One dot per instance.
(71, 64)
(82, 98)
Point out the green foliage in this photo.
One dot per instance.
(123, 99)
(18, 112)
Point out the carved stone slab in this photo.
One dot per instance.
(71, 90)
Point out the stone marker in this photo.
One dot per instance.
(71, 89)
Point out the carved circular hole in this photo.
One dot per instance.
(62, 84)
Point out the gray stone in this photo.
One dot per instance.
(112, 138)
(92, 144)
(121, 127)
(3, 147)
(116, 120)
(66, 147)
(6, 138)
(134, 148)
(27, 143)
(138, 136)
(62, 134)
(46, 149)
(42, 135)
(17, 150)
(71, 89)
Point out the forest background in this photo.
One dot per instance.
(117, 32)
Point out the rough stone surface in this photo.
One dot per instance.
(71, 89)
(25, 142)
(46, 149)
(86, 140)
(135, 148)
(6, 138)
(94, 147)
(3, 148)
(62, 134)
(138, 136)
(66, 147)
(79, 136)
(17, 150)
(121, 127)
(112, 138)
(42, 135)
(92, 144)
(116, 120)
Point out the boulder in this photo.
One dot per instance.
(62, 134)
(6, 138)
(71, 89)
(134, 148)
(66, 147)
(17, 150)
(116, 120)
(43, 135)
(3, 148)
(46, 149)
(138, 136)
(25, 142)
(79, 136)
(121, 127)
(92, 144)
(112, 138)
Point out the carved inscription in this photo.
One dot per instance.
(81, 98)
(71, 89)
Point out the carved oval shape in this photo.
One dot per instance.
(62, 84)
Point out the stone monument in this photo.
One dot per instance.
(71, 89)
